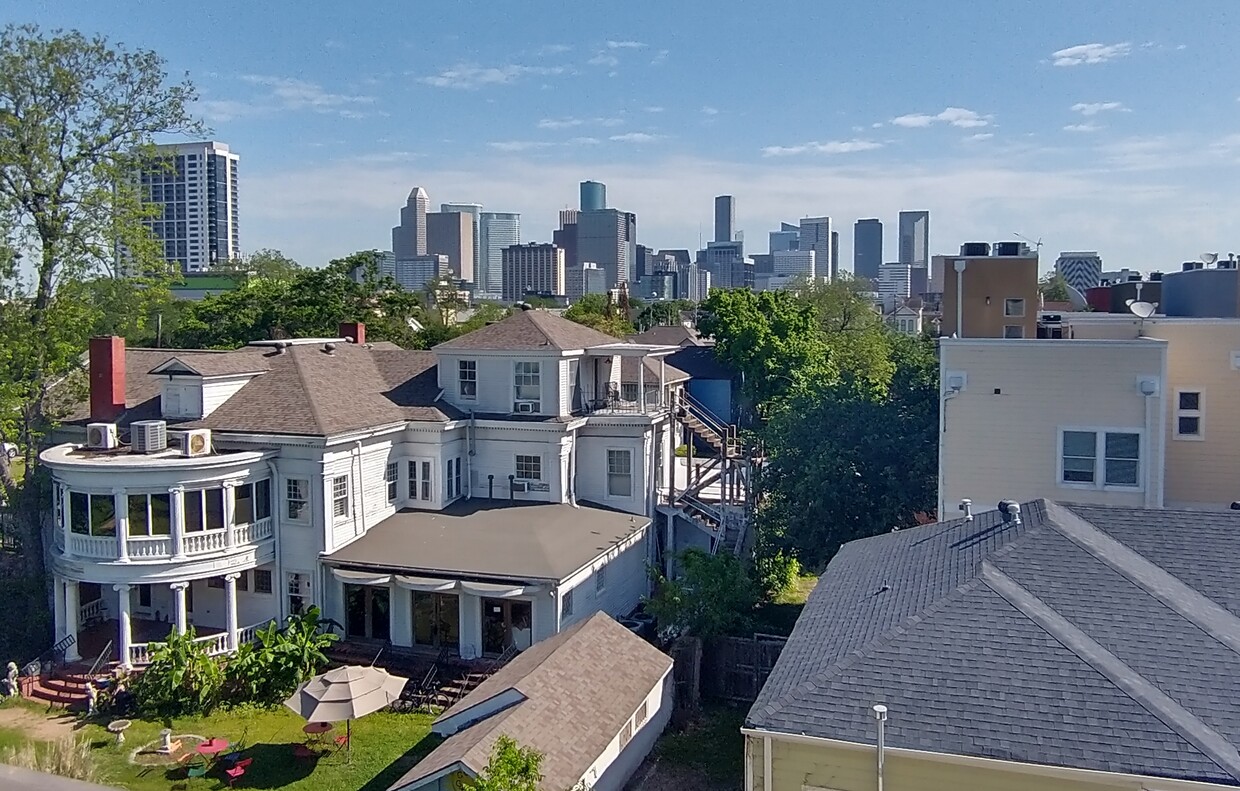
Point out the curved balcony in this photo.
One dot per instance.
(164, 548)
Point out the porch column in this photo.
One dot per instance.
(230, 513)
(178, 596)
(670, 461)
(120, 504)
(125, 635)
(230, 607)
(66, 525)
(58, 609)
(72, 612)
(176, 520)
(662, 380)
(641, 383)
(401, 615)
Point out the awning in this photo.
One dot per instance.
(498, 591)
(361, 577)
(425, 584)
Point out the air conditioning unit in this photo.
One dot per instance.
(520, 486)
(525, 407)
(196, 442)
(102, 436)
(148, 436)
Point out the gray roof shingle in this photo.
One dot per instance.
(1091, 637)
(529, 330)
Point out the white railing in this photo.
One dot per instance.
(92, 546)
(140, 653)
(90, 611)
(149, 547)
(246, 633)
(255, 531)
(215, 644)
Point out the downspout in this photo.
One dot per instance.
(949, 395)
(471, 432)
(1149, 391)
(959, 266)
(361, 488)
(572, 475)
(880, 714)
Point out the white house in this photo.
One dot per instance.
(472, 499)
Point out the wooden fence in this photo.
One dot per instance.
(723, 668)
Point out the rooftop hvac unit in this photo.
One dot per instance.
(973, 249)
(102, 436)
(148, 436)
(196, 442)
(1007, 248)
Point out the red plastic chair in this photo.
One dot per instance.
(237, 771)
(342, 741)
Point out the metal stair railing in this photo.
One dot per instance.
(107, 651)
(690, 503)
(725, 433)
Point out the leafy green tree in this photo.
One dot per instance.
(597, 311)
(662, 313)
(510, 768)
(711, 596)
(268, 670)
(182, 679)
(264, 263)
(77, 115)
(1054, 288)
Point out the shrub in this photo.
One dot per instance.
(68, 757)
(713, 596)
(268, 670)
(775, 573)
(182, 679)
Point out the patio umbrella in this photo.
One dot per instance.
(346, 693)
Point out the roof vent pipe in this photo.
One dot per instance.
(1011, 511)
(966, 508)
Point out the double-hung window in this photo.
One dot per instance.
(1100, 458)
(452, 478)
(420, 480)
(340, 496)
(1188, 414)
(527, 384)
(297, 498)
(391, 476)
(467, 379)
(619, 473)
(529, 468)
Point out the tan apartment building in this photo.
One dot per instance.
(989, 295)
(451, 233)
(533, 267)
(1124, 413)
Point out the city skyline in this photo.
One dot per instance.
(1092, 122)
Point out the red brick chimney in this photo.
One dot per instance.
(355, 330)
(107, 378)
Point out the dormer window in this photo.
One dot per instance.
(467, 379)
(527, 387)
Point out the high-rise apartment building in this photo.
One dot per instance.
(195, 184)
(474, 210)
(452, 234)
(414, 272)
(586, 278)
(608, 237)
(1081, 270)
(725, 218)
(895, 280)
(835, 255)
(867, 249)
(786, 238)
(815, 234)
(593, 196)
(532, 268)
(915, 238)
(497, 230)
(409, 238)
(792, 263)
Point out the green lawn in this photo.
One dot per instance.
(710, 746)
(385, 746)
(780, 615)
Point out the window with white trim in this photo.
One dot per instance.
(297, 499)
(529, 468)
(619, 473)
(467, 379)
(452, 478)
(297, 592)
(600, 578)
(640, 717)
(391, 476)
(527, 383)
(1014, 308)
(340, 496)
(1100, 459)
(262, 580)
(420, 480)
(566, 604)
(626, 734)
(1188, 414)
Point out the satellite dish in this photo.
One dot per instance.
(1209, 259)
(1142, 310)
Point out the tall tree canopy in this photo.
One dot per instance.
(598, 312)
(1054, 288)
(77, 114)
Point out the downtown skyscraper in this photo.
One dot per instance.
(816, 235)
(915, 238)
(867, 249)
(409, 238)
(496, 230)
(195, 185)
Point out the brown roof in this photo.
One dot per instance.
(242, 361)
(579, 688)
(529, 330)
(670, 335)
(628, 371)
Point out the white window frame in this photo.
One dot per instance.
(271, 582)
(1199, 413)
(1100, 461)
(1010, 314)
(516, 466)
(421, 480)
(532, 379)
(298, 585)
(470, 366)
(608, 493)
(452, 479)
(340, 483)
(303, 484)
(391, 480)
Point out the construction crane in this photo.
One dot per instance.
(1037, 246)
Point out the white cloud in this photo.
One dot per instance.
(514, 146)
(1090, 53)
(708, 110)
(604, 59)
(653, 109)
(1093, 108)
(585, 141)
(553, 49)
(559, 123)
(626, 45)
(956, 116)
(470, 76)
(285, 94)
(980, 136)
(1089, 126)
(660, 57)
(831, 147)
(635, 137)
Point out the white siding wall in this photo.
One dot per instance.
(495, 381)
(626, 582)
(218, 390)
(252, 607)
(497, 449)
(592, 447)
(368, 503)
(615, 766)
(999, 437)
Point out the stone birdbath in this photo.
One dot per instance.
(165, 741)
(118, 727)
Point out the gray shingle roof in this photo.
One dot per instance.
(529, 330)
(670, 335)
(1092, 637)
(579, 689)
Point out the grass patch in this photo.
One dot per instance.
(711, 746)
(779, 615)
(385, 746)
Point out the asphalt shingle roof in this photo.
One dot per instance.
(529, 330)
(1091, 637)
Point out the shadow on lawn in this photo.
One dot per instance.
(394, 770)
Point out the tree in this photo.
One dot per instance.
(597, 312)
(712, 595)
(1054, 288)
(510, 768)
(264, 263)
(663, 313)
(77, 115)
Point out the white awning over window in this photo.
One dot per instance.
(361, 577)
(498, 591)
(426, 584)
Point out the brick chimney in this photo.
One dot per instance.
(107, 378)
(354, 330)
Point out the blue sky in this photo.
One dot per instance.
(1093, 125)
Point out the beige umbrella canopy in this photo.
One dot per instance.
(346, 693)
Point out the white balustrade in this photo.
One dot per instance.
(140, 653)
(205, 542)
(246, 634)
(92, 546)
(161, 547)
(144, 547)
(214, 643)
(256, 531)
(90, 611)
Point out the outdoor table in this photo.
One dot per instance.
(315, 730)
(212, 747)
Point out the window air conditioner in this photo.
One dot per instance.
(520, 486)
(525, 407)
(102, 436)
(196, 442)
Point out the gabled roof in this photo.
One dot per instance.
(218, 364)
(576, 691)
(529, 330)
(670, 335)
(699, 362)
(1093, 637)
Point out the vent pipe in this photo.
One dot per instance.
(1011, 511)
(966, 507)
